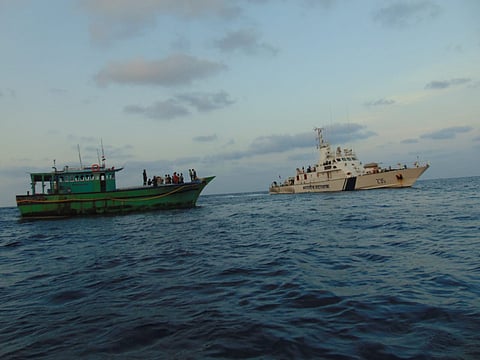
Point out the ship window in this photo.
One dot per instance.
(82, 178)
(344, 159)
(76, 178)
(61, 178)
(339, 159)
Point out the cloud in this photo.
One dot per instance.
(204, 102)
(443, 84)
(406, 13)
(174, 70)
(116, 19)
(339, 134)
(205, 138)
(246, 41)
(409, 141)
(180, 105)
(343, 134)
(280, 143)
(447, 133)
(380, 102)
(161, 110)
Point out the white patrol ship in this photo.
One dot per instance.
(342, 171)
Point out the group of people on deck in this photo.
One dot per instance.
(167, 179)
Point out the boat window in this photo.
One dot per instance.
(76, 178)
(82, 178)
(344, 159)
(60, 178)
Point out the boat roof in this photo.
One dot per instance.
(38, 176)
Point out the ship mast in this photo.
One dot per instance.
(79, 156)
(103, 154)
(321, 142)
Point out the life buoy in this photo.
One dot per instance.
(95, 167)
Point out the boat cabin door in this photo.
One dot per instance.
(103, 183)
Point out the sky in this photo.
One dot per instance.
(234, 88)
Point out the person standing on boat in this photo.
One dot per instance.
(144, 177)
(175, 178)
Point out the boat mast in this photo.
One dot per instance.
(79, 156)
(103, 154)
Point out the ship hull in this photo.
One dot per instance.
(163, 197)
(398, 178)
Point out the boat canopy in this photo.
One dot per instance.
(75, 181)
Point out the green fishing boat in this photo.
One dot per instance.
(92, 190)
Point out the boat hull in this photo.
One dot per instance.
(398, 178)
(174, 196)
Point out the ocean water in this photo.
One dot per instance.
(385, 274)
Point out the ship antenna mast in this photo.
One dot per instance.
(319, 137)
(103, 154)
(79, 156)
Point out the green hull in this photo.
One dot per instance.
(175, 196)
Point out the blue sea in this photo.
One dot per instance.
(383, 274)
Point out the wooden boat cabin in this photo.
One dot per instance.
(94, 179)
